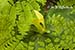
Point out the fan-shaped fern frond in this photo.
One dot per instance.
(66, 2)
(17, 32)
(15, 20)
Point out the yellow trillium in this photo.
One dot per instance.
(39, 21)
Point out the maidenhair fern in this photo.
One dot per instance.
(61, 24)
(15, 19)
(66, 2)
(18, 32)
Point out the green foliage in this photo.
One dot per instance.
(66, 2)
(60, 22)
(17, 32)
(15, 20)
(41, 1)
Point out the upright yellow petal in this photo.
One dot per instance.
(39, 21)
(39, 15)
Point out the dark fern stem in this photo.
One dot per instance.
(10, 3)
(15, 1)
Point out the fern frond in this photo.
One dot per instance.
(15, 20)
(66, 2)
